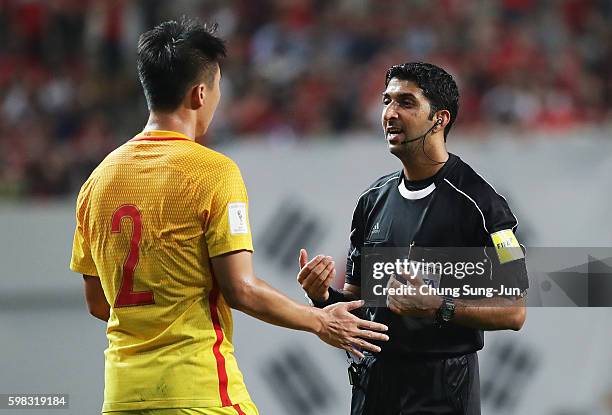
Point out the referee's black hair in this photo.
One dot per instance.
(438, 87)
(173, 57)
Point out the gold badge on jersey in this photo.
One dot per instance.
(507, 246)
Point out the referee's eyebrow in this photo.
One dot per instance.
(400, 95)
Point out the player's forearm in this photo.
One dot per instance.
(490, 313)
(262, 301)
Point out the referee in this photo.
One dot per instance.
(429, 365)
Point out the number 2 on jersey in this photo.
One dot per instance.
(127, 296)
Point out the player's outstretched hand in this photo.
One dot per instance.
(343, 330)
(316, 275)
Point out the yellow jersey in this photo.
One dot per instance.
(149, 218)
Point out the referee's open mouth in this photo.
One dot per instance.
(394, 134)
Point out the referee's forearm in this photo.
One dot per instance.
(335, 296)
(491, 313)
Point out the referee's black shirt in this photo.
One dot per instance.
(454, 208)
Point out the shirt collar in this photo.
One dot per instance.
(160, 135)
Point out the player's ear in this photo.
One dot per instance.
(198, 96)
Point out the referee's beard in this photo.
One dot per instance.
(407, 152)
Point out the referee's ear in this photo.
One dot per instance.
(303, 258)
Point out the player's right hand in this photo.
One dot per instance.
(343, 330)
(316, 275)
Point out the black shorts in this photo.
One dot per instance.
(423, 386)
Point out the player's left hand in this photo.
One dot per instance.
(414, 303)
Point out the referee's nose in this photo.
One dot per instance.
(389, 113)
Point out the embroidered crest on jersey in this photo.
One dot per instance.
(237, 218)
(507, 246)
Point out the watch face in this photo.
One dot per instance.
(448, 311)
(446, 314)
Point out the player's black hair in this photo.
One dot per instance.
(438, 87)
(173, 57)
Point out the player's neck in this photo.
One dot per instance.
(422, 165)
(170, 122)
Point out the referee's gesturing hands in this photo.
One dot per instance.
(414, 303)
(339, 327)
(316, 276)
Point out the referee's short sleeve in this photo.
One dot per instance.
(353, 260)
(508, 255)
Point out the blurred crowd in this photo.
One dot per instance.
(296, 69)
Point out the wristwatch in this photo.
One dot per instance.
(446, 312)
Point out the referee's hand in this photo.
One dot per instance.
(413, 303)
(342, 329)
(316, 275)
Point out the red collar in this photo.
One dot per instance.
(160, 135)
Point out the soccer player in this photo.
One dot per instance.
(430, 365)
(164, 245)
